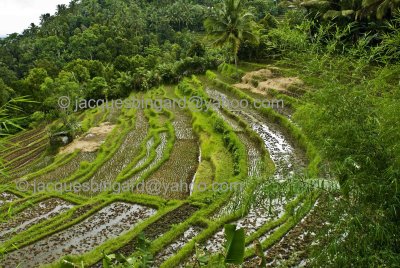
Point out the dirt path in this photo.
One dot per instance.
(92, 140)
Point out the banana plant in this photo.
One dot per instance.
(235, 244)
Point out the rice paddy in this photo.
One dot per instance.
(172, 146)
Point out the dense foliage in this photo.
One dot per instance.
(99, 49)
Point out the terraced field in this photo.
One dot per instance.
(171, 159)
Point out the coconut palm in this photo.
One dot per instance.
(230, 25)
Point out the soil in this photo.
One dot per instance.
(24, 147)
(26, 156)
(91, 141)
(27, 137)
(41, 163)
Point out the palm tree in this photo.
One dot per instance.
(231, 25)
(44, 18)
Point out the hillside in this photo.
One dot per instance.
(201, 134)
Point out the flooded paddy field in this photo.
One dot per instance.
(7, 197)
(111, 221)
(182, 164)
(35, 214)
(179, 169)
(126, 153)
(176, 245)
(159, 152)
(144, 155)
(286, 156)
(291, 249)
(161, 226)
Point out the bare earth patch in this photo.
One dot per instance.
(91, 141)
(262, 80)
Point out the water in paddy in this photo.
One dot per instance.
(128, 150)
(159, 150)
(35, 214)
(182, 163)
(175, 246)
(110, 222)
(286, 157)
(7, 197)
(161, 226)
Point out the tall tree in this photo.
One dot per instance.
(232, 24)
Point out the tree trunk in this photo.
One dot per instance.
(236, 66)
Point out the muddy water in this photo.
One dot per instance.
(159, 154)
(257, 217)
(231, 122)
(33, 215)
(109, 222)
(6, 197)
(286, 157)
(174, 247)
(192, 183)
(182, 163)
(254, 154)
(293, 245)
(182, 125)
(128, 150)
(175, 175)
(161, 226)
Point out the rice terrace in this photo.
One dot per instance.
(235, 133)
